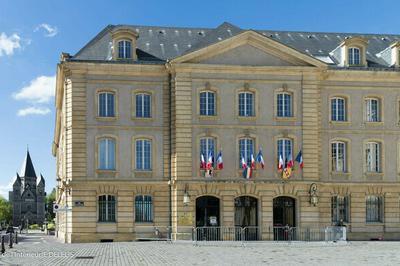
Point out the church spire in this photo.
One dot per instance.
(27, 169)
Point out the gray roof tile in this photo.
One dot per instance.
(158, 44)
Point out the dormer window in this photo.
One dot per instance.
(354, 56)
(124, 43)
(124, 49)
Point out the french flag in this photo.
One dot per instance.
(202, 162)
(260, 159)
(299, 159)
(210, 160)
(244, 164)
(280, 163)
(253, 162)
(290, 162)
(220, 162)
(247, 172)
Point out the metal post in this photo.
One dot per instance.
(16, 237)
(3, 248)
(10, 244)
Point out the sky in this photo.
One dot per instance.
(34, 33)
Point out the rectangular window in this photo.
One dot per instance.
(246, 149)
(373, 157)
(284, 149)
(143, 208)
(246, 104)
(143, 155)
(106, 208)
(338, 157)
(207, 103)
(338, 109)
(374, 212)
(207, 145)
(284, 105)
(143, 105)
(106, 154)
(106, 105)
(354, 56)
(340, 209)
(372, 110)
(124, 49)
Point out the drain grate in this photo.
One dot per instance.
(84, 257)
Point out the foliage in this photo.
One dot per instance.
(5, 211)
(50, 215)
(51, 226)
(34, 227)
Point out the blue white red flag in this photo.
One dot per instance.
(260, 159)
(210, 160)
(299, 159)
(220, 162)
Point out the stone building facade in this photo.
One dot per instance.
(138, 106)
(28, 196)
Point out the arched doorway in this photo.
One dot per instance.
(207, 218)
(284, 212)
(246, 217)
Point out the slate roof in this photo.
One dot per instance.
(27, 169)
(158, 44)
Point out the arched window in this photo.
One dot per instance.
(246, 104)
(106, 104)
(338, 109)
(373, 157)
(338, 156)
(143, 154)
(106, 208)
(124, 49)
(285, 148)
(284, 105)
(143, 208)
(372, 110)
(354, 56)
(207, 148)
(143, 105)
(246, 149)
(207, 103)
(106, 153)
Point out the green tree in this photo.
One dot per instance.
(50, 198)
(5, 210)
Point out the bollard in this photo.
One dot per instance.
(10, 245)
(16, 237)
(3, 248)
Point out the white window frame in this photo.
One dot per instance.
(207, 110)
(285, 147)
(335, 115)
(107, 154)
(336, 164)
(143, 153)
(369, 111)
(125, 49)
(373, 158)
(286, 110)
(106, 109)
(246, 109)
(106, 214)
(245, 151)
(352, 56)
(142, 96)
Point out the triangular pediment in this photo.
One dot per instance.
(250, 49)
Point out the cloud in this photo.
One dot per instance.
(33, 111)
(50, 31)
(9, 43)
(39, 90)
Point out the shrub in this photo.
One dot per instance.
(34, 227)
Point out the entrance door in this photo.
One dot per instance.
(284, 218)
(246, 217)
(207, 218)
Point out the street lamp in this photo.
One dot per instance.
(313, 194)
(186, 196)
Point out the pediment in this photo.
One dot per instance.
(250, 49)
(246, 55)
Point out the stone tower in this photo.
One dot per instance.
(28, 195)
